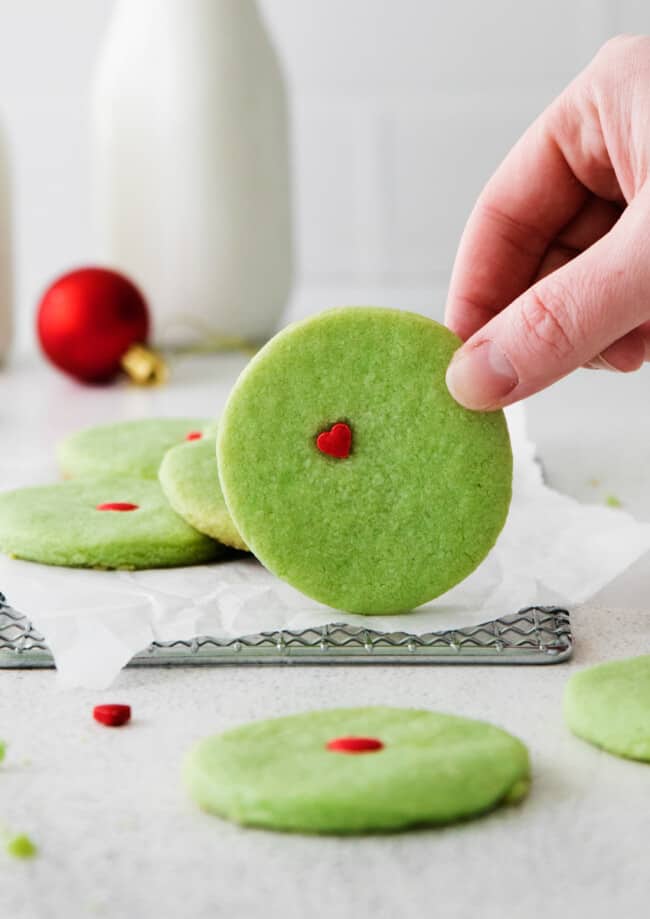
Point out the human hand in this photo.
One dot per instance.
(553, 269)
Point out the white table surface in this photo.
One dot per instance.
(118, 836)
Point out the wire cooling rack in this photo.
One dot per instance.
(534, 635)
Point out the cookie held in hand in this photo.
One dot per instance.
(350, 471)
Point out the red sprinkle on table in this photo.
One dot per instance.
(336, 442)
(113, 716)
(354, 744)
(194, 435)
(117, 506)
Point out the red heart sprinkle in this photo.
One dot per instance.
(117, 506)
(113, 716)
(354, 744)
(194, 435)
(336, 442)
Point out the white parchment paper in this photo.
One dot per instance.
(552, 550)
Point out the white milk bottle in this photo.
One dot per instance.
(191, 166)
(6, 287)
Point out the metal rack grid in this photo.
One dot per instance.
(534, 635)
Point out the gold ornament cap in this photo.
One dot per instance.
(144, 366)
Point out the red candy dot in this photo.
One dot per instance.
(354, 744)
(194, 435)
(117, 506)
(113, 716)
(336, 442)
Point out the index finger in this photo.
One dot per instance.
(533, 194)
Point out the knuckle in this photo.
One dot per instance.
(624, 47)
(547, 326)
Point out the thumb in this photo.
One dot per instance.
(563, 321)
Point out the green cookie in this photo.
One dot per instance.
(189, 477)
(63, 525)
(421, 497)
(425, 768)
(132, 448)
(609, 705)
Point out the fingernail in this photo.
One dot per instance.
(480, 377)
(599, 363)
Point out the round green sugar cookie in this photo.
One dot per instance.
(107, 522)
(351, 472)
(190, 480)
(357, 770)
(133, 448)
(609, 706)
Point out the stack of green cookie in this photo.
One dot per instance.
(113, 512)
(341, 460)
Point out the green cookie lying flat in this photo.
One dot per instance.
(351, 472)
(357, 770)
(609, 705)
(133, 448)
(108, 522)
(189, 477)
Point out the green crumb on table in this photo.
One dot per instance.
(613, 501)
(21, 847)
(3, 750)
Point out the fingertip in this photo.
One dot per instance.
(625, 355)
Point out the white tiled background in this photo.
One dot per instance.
(402, 108)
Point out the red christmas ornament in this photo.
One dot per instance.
(88, 320)
(112, 715)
